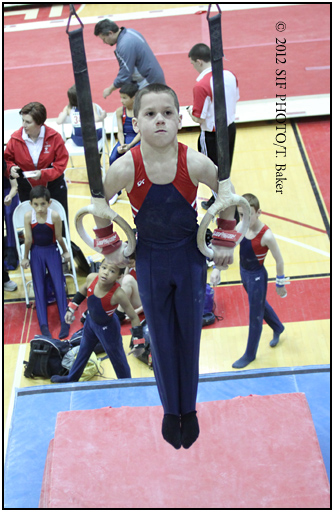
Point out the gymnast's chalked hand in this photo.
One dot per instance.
(118, 257)
(281, 291)
(223, 256)
(215, 277)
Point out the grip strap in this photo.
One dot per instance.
(85, 105)
(216, 44)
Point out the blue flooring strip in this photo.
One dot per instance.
(36, 408)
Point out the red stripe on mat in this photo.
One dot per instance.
(307, 300)
(294, 222)
(316, 138)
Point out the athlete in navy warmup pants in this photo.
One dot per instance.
(99, 326)
(254, 277)
(255, 283)
(172, 274)
(46, 257)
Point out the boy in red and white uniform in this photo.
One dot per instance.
(202, 111)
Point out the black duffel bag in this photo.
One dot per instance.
(45, 357)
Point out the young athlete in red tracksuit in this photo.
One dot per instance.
(103, 296)
(161, 179)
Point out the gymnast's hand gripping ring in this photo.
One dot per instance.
(225, 198)
(100, 208)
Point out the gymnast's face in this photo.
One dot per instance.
(126, 101)
(158, 120)
(108, 273)
(253, 216)
(40, 205)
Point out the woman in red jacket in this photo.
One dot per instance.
(39, 148)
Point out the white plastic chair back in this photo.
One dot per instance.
(74, 150)
(12, 121)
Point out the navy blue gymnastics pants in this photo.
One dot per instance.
(255, 283)
(171, 281)
(44, 257)
(110, 337)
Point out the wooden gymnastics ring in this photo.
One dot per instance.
(225, 197)
(99, 206)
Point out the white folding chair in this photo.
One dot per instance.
(55, 205)
(74, 150)
(114, 130)
(18, 223)
(12, 121)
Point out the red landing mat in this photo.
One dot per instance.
(253, 452)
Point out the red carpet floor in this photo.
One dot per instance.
(231, 304)
(43, 71)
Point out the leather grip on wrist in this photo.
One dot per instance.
(107, 239)
(225, 234)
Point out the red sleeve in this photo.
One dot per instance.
(9, 156)
(59, 160)
(200, 95)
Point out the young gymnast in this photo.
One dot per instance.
(127, 137)
(161, 177)
(71, 110)
(129, 284)
(103, 294)
(43, 228)
(258, 241)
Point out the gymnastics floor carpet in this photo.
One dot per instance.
(264, 443)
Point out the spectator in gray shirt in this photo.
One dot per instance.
(136, 60)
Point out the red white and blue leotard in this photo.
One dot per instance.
(171, 275)
(43, 234)
(252, 253)
(102, 326)
(255, 279)
(45, 255)
(129, 135)
(164, 217)
(100, 309)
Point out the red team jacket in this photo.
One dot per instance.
(53, 153)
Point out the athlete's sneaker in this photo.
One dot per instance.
(10, 286)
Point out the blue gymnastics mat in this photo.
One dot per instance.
(36, 409)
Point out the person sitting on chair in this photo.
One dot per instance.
(72, 111)
(127, 137)
(43, 228)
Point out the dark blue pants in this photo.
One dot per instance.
(171, 280)
(110, 337)
(255, 283)
(9, 210)
(115, 154)
(42, 258)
